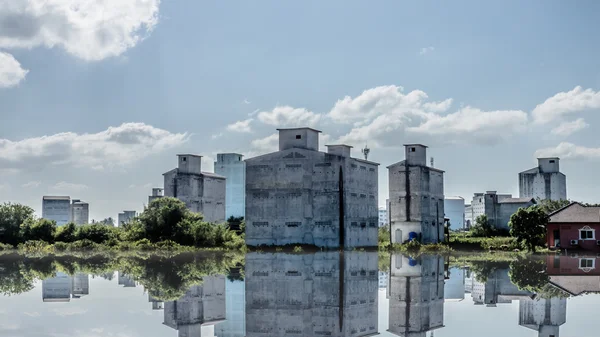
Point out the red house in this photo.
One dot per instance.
(574, 227)
(574, 274)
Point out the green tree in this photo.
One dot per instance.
(12, 216)
(549, 206)
(39, 229)
(482, 227)
(96, 232)
(160, 219)
(528, 225)
(66, 233)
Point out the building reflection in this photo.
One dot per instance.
(321, 294)
(543, 315)
(497, 289)
(235, 304)
(199, 309)
(63, 287)
(416, 295)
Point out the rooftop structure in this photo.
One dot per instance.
(544, 181)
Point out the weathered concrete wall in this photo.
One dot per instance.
(543, 315)
(201, 194)
(322, 294)
(505, 211)
(551, 186)
(416, 301)
(213, 200)
(301, 138)
(232, 167)
(297, 196)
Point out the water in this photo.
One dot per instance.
(311, 294)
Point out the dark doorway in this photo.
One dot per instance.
(556, 236)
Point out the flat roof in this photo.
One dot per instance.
(350, 146)
(548, 158)
(189, 154)
(52, 197)
(230, 153)
(415, 144)
(304, 128)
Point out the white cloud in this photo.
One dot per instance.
(426, 50)
(11, 72)
(569, 128)
(566, 150)
(68, 187)
(241, 126)
(253, 113)
(32, 184)
(565, 103)
(287, 116)
(90, 30)
(267, 144)
(115, 147)
(246, 101)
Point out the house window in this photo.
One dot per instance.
(587, 233)
(298, 136)
(587, 263)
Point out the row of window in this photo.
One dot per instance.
(362, 224)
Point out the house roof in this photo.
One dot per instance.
(305, 128)
(576, 212)
(531, 171)
(516, 200)
(576, 284)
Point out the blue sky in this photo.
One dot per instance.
(485, 85)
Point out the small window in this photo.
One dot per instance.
(183, 158)
(552, 162)
(412, 149)
(298, 136)
(586, 233)
(587, 263)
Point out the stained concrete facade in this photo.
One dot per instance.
(125, 217)
(321, 294)
(416, 198)
(544, 181)
(416, 295)
(299, 195)
(497, 289)
(498, 207)
(202, 306)
(202, 192)
(543, 315)
(57, 208)
(80, 212)
(233, 168)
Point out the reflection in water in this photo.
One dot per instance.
(327, 293)
(322, 294)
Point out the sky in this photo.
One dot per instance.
(97, 97)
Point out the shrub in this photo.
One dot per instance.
(61, 246)
(66, 233)
(84, 244)
(482, 227)
(40, 229)
(5, 246)
(95, 232)
(34, 246)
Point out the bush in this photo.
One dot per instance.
(12, 216)
(34, 246)
(61, 246)
(40, 229)
(95, 232)
(482, 227)
(66, 233)
(84, 244)
(5, 246)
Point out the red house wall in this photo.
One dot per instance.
(570, 231)
(567, 265)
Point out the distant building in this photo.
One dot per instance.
(383, 216)
(57, 288)
(125, 281)
(202, 192)
(498, 207)
(454, 208)
(299, 195)
(80, 285)
(233, 168)
(543, 315)
(156, 194)
(454, 287)
(202, 305)
(125, 217)
(416, 198)
(469, 220)
(416, 293)
(544, 181)
(80, 212)
(574, 227)
(235, 304)
(57, 208)
(323, 294)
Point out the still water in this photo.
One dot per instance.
(311, 294)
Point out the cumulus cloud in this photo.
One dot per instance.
(566, 150)
(426, 50)
(287, 116)
(11, 72)
(114, 147)
(32, 184)
(267, 144)
(241, 126)
(88, 29)
(569, 128)
(565, 103)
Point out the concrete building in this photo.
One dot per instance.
(299, 195)
(416, 295)
(125, 217)
(416, 198)
(156, 194)
(574, 227)
(497, 289)
(323, 294)
(233, 168)
(125, 281)
(543, 315)
(196, 313)
(469, 220)
(80, 285)
(383, 279)
(235, 304)
(202, 192)
(156, 304)
(383, 216)
(544, 181)
(455, 286)
(57, 288)
(80, 212)
(454, 209)
(57, 208)
(498, 207)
